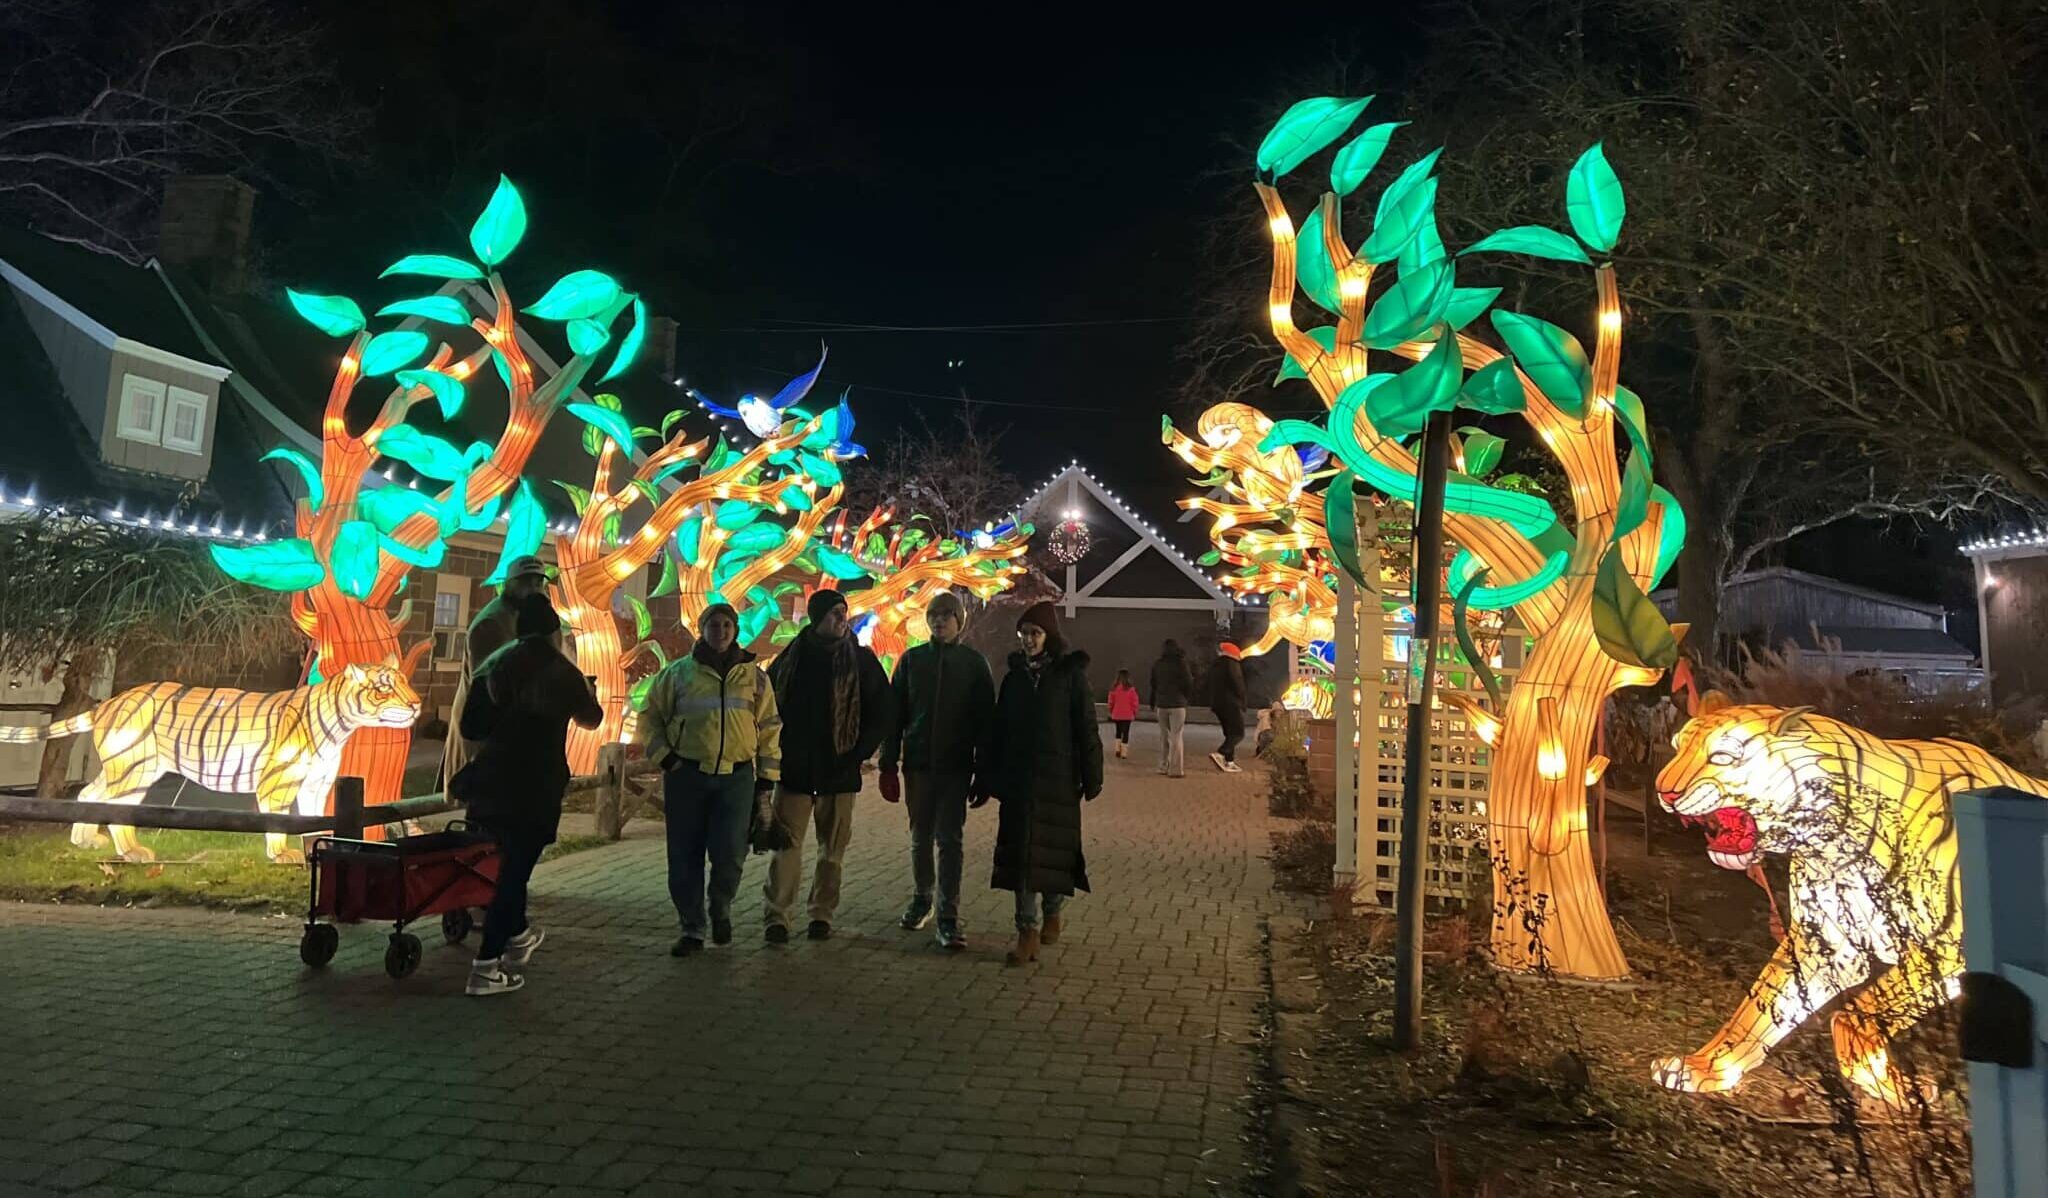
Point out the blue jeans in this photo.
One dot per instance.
(518, 853)
(707, 816)
(1027, 908)
(938, 813)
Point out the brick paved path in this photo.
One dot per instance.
(869, 1064)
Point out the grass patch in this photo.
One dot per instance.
(219, 870)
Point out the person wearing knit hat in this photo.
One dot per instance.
(1044, 761)
(944, 700)
(1226, 699)
(493, 627)
(712, 725)
(835, 706)
(522, 701)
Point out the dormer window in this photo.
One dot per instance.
(185, 421)
(142, 410)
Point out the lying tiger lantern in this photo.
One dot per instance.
(1876, 904)
(283, 746)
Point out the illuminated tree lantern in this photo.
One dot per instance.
(356, 543)
(735, 490)
(1577, 587)
(910, 565)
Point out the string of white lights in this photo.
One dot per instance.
(1133, 517)
(2023, 540)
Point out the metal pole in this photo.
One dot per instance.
(1427, 591)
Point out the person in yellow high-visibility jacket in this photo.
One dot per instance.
(712, 726)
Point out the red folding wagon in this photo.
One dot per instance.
(441, 873)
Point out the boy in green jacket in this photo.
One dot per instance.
(945, 701)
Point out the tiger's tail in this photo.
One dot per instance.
(28, 734)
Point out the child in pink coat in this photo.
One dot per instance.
(1123, 708)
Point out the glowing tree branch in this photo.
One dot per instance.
(598, 557)
(912, 566)
(1578, 588)
(356, 546)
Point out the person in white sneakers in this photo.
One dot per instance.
(521, 703)
(1226, 699)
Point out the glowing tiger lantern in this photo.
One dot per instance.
(1876, 903)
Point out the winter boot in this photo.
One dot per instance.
(1027, 947)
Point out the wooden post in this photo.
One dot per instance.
(611, 791)
(348, 808)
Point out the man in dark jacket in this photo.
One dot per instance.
(945, 700)
(1226, 699)
(492, 628)
(1171, 687)
(834, 702)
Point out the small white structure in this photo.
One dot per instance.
(2004, 868)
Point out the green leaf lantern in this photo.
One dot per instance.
(1628, 625)
(578, 295)
(1326, 336)
(1494, 389)
(387, 352)
(1402, 406)
(643, 620)
(437, 266)
(1552, 358)
(1341, 519)
(1468, 303)
(428, 455)
(444, 309)
(1482, 451)
(526, 527)
(275, 565)
(839, 565)
(822, 470)
(448, 390)
(354, 558)
(1534, 240)
(1356, 160)
(629, 349)
(388, 507)
(1313, 269)
(757, 538)
(670, 581)
(334, 315)
(498, 230)
(1410, 307)
(1304, 129)
(1593, 200)
(316, 492)
(1400, 223)
(612, 424)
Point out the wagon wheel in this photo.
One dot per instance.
(316, 947)
(456, 925)
(403, 956)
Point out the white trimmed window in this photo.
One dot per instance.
(185, 421)
(142, 410)
(451, 620)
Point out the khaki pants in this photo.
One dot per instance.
(796, 812)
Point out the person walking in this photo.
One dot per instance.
(521, 703)
(944, 700)
(1123, 709)
(1045, 754)
(490, 630)
(834, 700)
(712, 725)
(1171, 685)
(1226, 699)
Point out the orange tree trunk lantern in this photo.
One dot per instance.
(1576, 583)
(725, 513)
(356, 544)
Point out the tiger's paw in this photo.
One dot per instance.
(138, 854)
(1876, 1076)
(288, 857)
(1699, 1073)
(88, 836)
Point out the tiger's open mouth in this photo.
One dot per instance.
(1731, 836)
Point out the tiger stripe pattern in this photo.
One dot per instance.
(282, 746)
(1876, 898)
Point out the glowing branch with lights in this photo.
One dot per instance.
(1875, 894)
(601, 553)
(1577, 587)
(911, 566)
(356, 541)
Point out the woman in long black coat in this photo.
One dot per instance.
(521, 702)
(1046, 758)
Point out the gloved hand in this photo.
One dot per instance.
(670, 763)
(892, 784)
(1088, 793)
(764, 833)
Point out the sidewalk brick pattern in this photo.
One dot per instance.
(184, 1052)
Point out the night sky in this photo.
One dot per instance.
(773, 179)
(918, 173)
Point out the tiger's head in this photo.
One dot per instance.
(377, 696)
(1731, 777)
